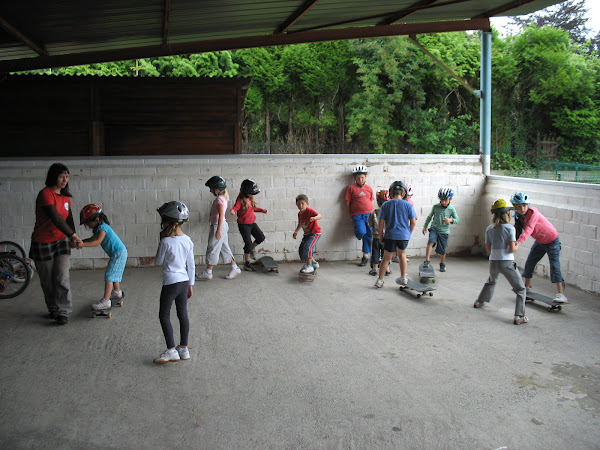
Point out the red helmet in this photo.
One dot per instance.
(383, 194)
(89, 212)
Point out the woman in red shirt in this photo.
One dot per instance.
(51, 242)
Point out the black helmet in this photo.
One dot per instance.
(216, 182)
(249, 187)
(174, 210)
(396, 186)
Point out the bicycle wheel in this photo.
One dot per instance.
(14, 275)
(12, 247)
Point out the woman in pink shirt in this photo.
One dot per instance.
(530, 222)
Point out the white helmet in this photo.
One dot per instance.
(445, 193)
(360, 169)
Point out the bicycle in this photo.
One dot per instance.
(15, 270)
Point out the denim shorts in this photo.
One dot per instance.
(537, 252)
(390, 245)
(440, 241)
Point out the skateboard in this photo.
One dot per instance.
(534, 296)
(420, 289)
(265, 264)
(307, 276)
(426, 273)
(102, 313)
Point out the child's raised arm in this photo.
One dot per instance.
(94, 241)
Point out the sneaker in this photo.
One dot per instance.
(315, 265)
(234, 273)
(388, 272)
(373, 272)
(442, 267)
(204, 276)
(477, 304)
(404, 280)
(102, 304)
(364, 261)
(520, 319)
(252, 254)
(426, 263)
(114, 295)
(168, 356)
(307, 268)
(379, 283)
(184, 353)
(62, 319)
(52, 315)
(560, 298)
(395, 259)
(248, 266)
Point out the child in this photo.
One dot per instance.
(376, 247)
(441, 216)
(307, 220)
(408, 198)
(245, 206)
(398, 218)
(500, 242)
(218, 242)
(92, 217)
(359, 203)
(176, 256)
(530, 222)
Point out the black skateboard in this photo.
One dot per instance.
(426, 273)
(534, 296)
(102, 313)
(265, 264)
(420, 289)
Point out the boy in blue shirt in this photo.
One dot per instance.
(398, 218)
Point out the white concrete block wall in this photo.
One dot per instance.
(574, 209)
(130, 189)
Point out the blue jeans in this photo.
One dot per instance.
(537, 252)
(362, 230)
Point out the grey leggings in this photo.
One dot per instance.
(512, 275)
(177, 293)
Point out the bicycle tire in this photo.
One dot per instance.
(12, 247)
(14, 275)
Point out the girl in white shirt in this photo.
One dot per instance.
(500, 240)
(176, 256)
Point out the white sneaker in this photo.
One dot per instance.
(204, 276)
(114, 295)
(234, 273)
(379, 283)
(168, 356)
(307, 268)
(560, 298)
(315, 265)
(404, 280)
(184, 353)
(102, 304)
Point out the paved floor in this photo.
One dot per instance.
(277, 363)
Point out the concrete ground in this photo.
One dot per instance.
(277, 363)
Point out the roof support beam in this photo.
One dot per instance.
(390, 19)
(502, 9)
(243, 42)
(166, 18)
(22, 37)
(302, 10)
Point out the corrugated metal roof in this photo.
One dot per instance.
(69, 32)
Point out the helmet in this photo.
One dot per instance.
(89, 212)
(409, 189)
(445, 193)
(395, 186)
(216, 182)
(249, 187)
(360, 169)
(174, 210)
(519, 198)
(383, 195)
(500, 207)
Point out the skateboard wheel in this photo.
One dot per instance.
(109, 315)
(433, 280)
(418, 295)
(120, 304)
(431, 294)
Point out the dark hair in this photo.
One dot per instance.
(52, 178)
(301, 197)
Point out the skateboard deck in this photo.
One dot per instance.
(534, 296)
(308, 276)
(426, 273)
(265, 264)
(101, 313)
(420, 289)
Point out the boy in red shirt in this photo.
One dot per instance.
(307, 220)
(359, 202)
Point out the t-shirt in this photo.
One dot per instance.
(248, 216)
(360, 198)
(176, 256)
(397, 215)
(307, 225)
(111, 244)
(214, 210)
(499, 238)
(44, 230)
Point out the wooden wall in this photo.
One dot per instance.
(45, 115)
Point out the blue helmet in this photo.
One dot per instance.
(519, 198)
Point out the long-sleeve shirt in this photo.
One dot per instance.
(538, 227)
(248, 216)
(176, 256)
(438, 214)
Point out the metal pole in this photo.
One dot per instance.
(485, 104)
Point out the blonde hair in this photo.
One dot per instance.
(501, 218)
(169, 231)
(222, 192)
